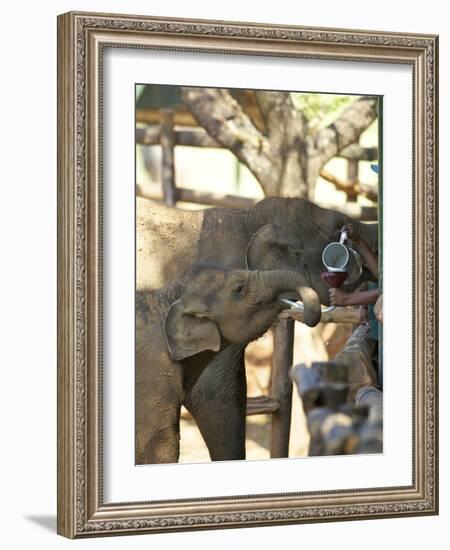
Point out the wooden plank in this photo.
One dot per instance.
(150, 135)
(198, 137)
(168, 164)
(352, 176)
(338, 315)
(352, 188)
(262, 404)
(202, 197)
(153, 117)
(283, 344)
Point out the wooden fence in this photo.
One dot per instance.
(167, 135)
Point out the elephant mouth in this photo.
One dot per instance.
(289, 295)
(289, 299)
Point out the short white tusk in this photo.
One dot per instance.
(328, 309)
(290, 303)
(301, 307)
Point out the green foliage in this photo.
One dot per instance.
(321, 109)
(139, 89)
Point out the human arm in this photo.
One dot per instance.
(339, 297)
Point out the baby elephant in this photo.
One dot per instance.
(180, 330)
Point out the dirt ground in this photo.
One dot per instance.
(318, 344)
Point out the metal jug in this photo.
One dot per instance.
(341, 257)
(337, 257)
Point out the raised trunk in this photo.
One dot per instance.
(280, 281)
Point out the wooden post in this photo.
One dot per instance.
(283, 344)
(352, 176)
(168, 164)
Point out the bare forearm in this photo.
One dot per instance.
(339, 297)
(363, 298)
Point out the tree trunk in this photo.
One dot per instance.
(286, 160)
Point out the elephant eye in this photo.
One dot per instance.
(239, 290)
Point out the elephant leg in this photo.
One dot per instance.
(218, 400)
(160, 445)
(158, 396)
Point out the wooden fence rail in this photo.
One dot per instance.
(168, 136)
(198, 137)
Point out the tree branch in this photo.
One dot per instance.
(283, 120)
(352, 189)
(357, 152)
(287, 130)
(347, 128)
(225, 121)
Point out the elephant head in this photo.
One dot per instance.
(218, 306)
(296, 241)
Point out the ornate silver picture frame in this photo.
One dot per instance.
(82, 41)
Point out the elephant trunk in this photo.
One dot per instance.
(280, 281)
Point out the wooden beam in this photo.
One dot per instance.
(153, 117)
(262, 404)
(351, 188)
(168, 162)
(150, 135)
(338, 315)
(352, 177)
(281, 390)
(195, 138)
(198, 137)
(201, 197)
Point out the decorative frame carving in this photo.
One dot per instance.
(81, 37)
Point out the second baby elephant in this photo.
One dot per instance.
(180, 329)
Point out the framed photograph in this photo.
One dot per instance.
(247, 282)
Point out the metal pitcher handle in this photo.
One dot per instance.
(344, 237)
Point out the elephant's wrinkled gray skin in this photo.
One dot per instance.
(277, 233)
(178, 330)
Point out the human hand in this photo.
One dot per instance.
(379, 309)
(338, 297)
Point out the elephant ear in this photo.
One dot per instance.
(188, 334)
(268, 248)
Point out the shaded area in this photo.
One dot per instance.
(47, 522)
